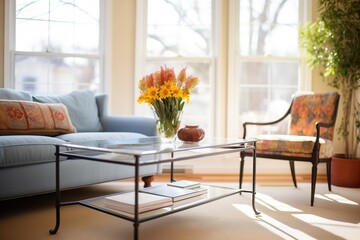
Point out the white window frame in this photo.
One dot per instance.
(104, 55)
(141, 58)
(234, 60)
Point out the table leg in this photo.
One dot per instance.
(254, 180)
(57, 201)
(136, 231)
(172, 169)
(136, 200)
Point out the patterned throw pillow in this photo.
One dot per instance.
(81, 106)
(31, 118)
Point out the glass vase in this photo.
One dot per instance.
(168, 124)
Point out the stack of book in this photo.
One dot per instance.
(126, 202)
(177, 190)
(185, 184)
(156, 197)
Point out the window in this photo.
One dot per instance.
(267, 68)
(55, 46)
(179, 33)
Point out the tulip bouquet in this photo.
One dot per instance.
(167, 94)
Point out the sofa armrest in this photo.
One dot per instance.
(137, 124)
(102, 103)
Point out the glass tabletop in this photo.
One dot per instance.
(154, 145)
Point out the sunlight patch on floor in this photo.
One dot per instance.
(322, 197)
(335, 197)
(340, 199)
(342, 229)
(274, 204)
(282, 230)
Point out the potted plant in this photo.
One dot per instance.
(332, 44)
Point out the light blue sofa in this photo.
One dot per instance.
(27, 161)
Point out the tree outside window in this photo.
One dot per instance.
(267, 60)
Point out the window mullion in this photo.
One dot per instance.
(268, 59)
(181, 59)
(53, 54)
(233, 71)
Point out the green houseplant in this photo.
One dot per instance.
(332, 44)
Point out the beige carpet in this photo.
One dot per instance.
(286, 214)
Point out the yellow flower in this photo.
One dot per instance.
(151, 94)
(169, 85)
(176, 92)
(164, 92)
(142, 86)
(186, 96)
(141, 99)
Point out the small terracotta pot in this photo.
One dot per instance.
(345, 172)
(191, 133)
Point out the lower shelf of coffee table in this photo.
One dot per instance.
(213, 193)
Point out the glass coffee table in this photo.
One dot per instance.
(139, 152)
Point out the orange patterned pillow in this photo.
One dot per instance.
(26, 117)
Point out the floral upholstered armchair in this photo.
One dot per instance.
(311, 131)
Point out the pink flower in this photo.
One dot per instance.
(191, 82)
(149, 81)
(181, 77)
(167, 74)
(157, 79)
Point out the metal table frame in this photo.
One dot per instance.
(137, 163)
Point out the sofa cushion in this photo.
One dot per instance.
(24, 150)
(82, 108)
(91, 136)
(24, 117)
(11, 94)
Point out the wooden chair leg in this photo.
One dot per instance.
(328, 173)
(292, 169)
(147, 180)
(313, 183)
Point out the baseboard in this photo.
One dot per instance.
(230, 177)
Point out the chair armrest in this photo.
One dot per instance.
(262, 123)
(265, 123)
(324, 124)
(137, 124)
(318, 126)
